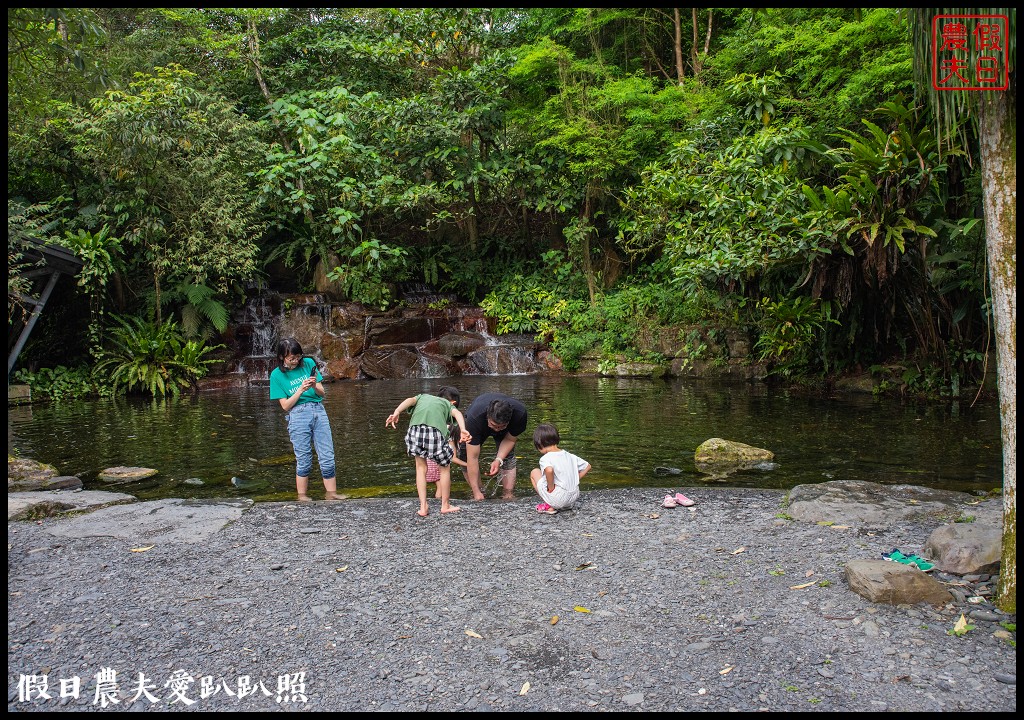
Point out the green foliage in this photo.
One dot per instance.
(62, 384)
(724, 215)
(372, 268)
(461, 145)
(100, 254)
(790, 331)
(886, 175)
(175, 163)
(25, 225)
(152, 358)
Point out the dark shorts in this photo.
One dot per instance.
(427, 442)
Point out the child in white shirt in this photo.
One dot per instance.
(557, 480)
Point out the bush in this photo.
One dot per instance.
(63, 383)
(152, 358)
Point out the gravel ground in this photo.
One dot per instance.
(657, 610)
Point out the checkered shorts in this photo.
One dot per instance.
(426, 442)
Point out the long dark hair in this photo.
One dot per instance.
(285, 347)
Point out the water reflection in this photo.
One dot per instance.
(625, 428)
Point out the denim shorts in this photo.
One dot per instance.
(308, 428)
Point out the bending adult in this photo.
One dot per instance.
(503, 418)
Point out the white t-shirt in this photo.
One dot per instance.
(567, 468)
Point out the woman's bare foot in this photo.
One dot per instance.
(423, 511)
(304, 498)
(336, 496)
(450, 509)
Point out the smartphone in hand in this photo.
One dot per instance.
(312, 372)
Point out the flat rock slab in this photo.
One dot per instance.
(122, 474)
(159, 521)
(859, 502)
(55, 502)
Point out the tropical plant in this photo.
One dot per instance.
(371, 270)
(100, 254)
(62, 383)
(790, 332)
(150, 357)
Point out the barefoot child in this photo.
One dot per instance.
(557, 480)
(428, 438)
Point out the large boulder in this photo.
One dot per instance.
(859, 502)
(503, 360)
(966, 548)
(895, 584)
(390, 363)
(158, 521)
(718, 457)
(404, 330)
(460, 343)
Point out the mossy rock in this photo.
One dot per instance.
(716, 456)
(28, 474)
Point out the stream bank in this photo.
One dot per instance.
(725, 606)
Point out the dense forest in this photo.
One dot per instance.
(598, 177)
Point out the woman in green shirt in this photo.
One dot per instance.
(296, 383)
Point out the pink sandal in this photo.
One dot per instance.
(545, 508)
(683, 500)
(669, 502)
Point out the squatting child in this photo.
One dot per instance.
(428, 438)
(557, 480)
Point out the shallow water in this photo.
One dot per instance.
(624, 427)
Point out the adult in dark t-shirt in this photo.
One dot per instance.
(503, 418)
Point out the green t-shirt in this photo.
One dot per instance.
(284, 383)
(433, 411)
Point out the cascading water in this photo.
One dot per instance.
(349, 342)
(255, 338)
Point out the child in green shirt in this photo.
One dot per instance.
(428, 438)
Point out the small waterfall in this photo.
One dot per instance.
(349, 342)
(255, 338)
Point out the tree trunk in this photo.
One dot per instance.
(156, 289)
(680, 73)
(588, 268)
(997, 119)
(695, 55)
(257, 67)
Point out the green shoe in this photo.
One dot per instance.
(896, 556)
(921, 564)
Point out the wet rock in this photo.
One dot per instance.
(28, 474)
(122, 474)
(717, 456)
(389, 363)
(460, 343)
(30, 504)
